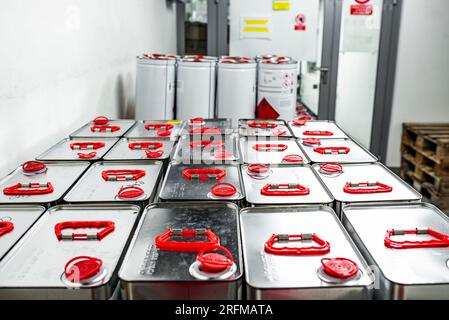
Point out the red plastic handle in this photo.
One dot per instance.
(214, 262)
(86, 145)
(82, 268)
(223, 189)
(87, 155)
(284, 189)
(154, 154)
(204, 174)
(5, 227)
(163, 243)
(103, 129)
(366, 188)
(318, 133)
(270, 147)
(204, 130)
(262, 125)
(322, 248)
(145, 145)
(130, 192)
(206, 144)
(441, 240)
(122, 175)
(101, 120)
(159, 126)
(106, 226)
(293, 158)
(341, 268)
(33, 166)
(28, 189)
(332, 150)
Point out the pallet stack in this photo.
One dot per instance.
(425, 160)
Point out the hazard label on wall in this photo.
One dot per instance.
(362, 8)
(300, 22)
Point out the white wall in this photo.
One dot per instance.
(421, 91)
(62, 62)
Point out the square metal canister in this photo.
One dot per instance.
(283, 185)
(285, 250)
(113, 129)
(85, 149)
(55, 180)
(264, 128)
(207, 127)
(36, 268)
(141, 149)
(322, 129)
(117, 181)
(364, 183)
(407, 246)
(170, 129)
(151, 273)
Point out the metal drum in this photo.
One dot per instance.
(271, 151)
(40, 182)
(155, 86)
(362, 183)
(335, 150)
(117, 181)
(265, 185)
(15, 222)
(407, 247)
(72, 252)
(141, 149)
(156, 129)
(264, 128)
(185, 251)
(236, 88)
(104, 128)
(206, 127)
(202, 182)
(321, 129)
(195, 90)
(87, 149)
(299, 253)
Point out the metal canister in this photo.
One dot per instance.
(407, 247)
(318, 129)
(141, 149)
(70, 149)
(264, 128)
(117, 181)
(265, 185)
(277, 85)
(364, 183)
(206, 127)
(335, 150)
(175, 251)
(156, 129)
(298, 253)
(236, 88)
(104, 128)
(155, 86)
(40, 182)
(202, 182)
(72, 252)
(271, 151)
(15, 222)
(195, 90)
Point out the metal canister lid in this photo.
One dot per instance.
(331, 169)
(157, 56)
(33, 167)
(338, 270)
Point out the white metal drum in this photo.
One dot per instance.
(409, 260)
(299, 275)
(112, 129)
(236, 88)
(141, 149)
(321, 129)
(44, 187)
(155, 86)
(335, 150)
(154, 269)
(156, 129)
(87, 149)
(264, 128)
(195, 90)
(37, 267)
(358, 183)
(283, 185)
(132, 181)
(271, 151)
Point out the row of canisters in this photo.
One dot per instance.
(198, 210)
(225, 87)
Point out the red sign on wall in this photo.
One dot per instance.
(362, 8)
(300, 22)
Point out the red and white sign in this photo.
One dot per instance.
(300, 22)
(266, 111)
(362, 8)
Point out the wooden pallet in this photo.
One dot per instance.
(438, 199)
(432, 139)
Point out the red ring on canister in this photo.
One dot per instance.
(223, 154)
(258, 168)
(331, 168)
(130, 192)
(5, 227)
(154, 154)
(87, 155)
(33, 166)
(101, 120)
(293, 158)
(311, 142)
(223, 189)
(87, 267)
(213, 262)
(339, 267)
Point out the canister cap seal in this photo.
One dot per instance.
(341, 268)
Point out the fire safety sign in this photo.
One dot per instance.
(362, 8)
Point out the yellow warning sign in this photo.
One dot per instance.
(255, 25)
(281, 5)
(174, 121)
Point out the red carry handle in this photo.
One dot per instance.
(130, 192)
(270, 147)
(154, 154)
(258, 168)
(159, 126)
(196, 121)
(86, 145)
(145, 145)
(101, 120)
(322, 248)
(262, 125)
(163, 243)
(5, 227)
(441, 240)
(103, 129)
(106, 226)
(341, 268)
(203, 174)
(223, 189)
(122, 175)
(87, 155)
(366, 188)
(82, 268)
(210, 261)
(331, 168)
(293, 158)
(204, 130)
(28, 189)
(33, 166)
(311, 142)
(284, 189)
(206, 144)
(332, 150)
(318, 133)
